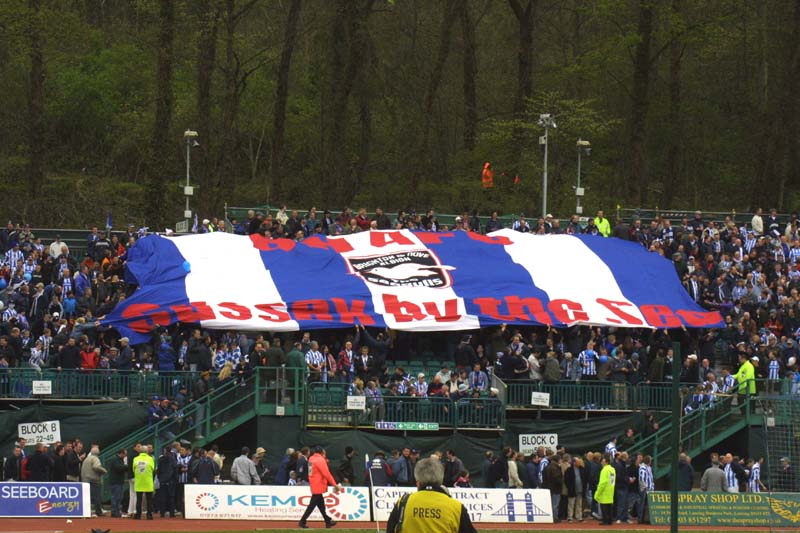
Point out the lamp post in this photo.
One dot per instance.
(547, 122)
(583, 146)
(190, 136)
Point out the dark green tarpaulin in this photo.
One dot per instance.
(101, 423)
(277, 434)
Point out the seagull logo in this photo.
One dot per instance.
(418, 268)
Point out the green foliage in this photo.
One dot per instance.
(736, 140)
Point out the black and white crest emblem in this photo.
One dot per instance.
(418, 268)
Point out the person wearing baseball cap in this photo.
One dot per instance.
(319, 478)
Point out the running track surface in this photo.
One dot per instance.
(85, 525)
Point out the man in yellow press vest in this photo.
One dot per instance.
(430, 509)
(604, 495)
(143, 469)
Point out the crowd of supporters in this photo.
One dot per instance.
(610, 486)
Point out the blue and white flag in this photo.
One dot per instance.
(108, 221)
(404, 280)
(195, 226)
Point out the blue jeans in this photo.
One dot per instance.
(621, 504)
(116, 499)
(633, 503)
(640, 506)
(555, 498)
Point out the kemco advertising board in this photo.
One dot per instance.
(265, 502)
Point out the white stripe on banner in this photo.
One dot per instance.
(590, 281)
(220, 264)
(399, 269)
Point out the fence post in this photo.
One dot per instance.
(257, 388)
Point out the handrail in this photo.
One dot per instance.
(326, 406)
(95, 384)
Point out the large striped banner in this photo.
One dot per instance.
(406, 280)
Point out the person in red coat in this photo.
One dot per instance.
(319, 477)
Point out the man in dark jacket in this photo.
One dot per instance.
(553, 480)
(204, 470)
(117, 477)
(378, 345)
(13, 468)
(40, 466)
(69, 358)
(621, 488)
(685, 473)
(452, 468)
(344, 472)
(593, 468)
(167, 474)
(73, 459)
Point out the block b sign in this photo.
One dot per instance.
(530, 442)
(48, 432)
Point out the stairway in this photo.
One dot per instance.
(699, 431)
(222, 410)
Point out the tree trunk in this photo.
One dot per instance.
(639, 103)
(351, 21)
(791, 176)
(443, 50)
(672, 178)
(225, 181)
(36, 102)
(470, 78)
(524, 16)
(281, 95)
(157, 172)
(206, 58)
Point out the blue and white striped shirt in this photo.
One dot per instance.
(611, 449)
(542, 465)
(314, 358)
(774, 369)
(730, 476)
(794, 254)
(755, 477)
(728, 384)
(14, 257)
(646, 483)
(588, 358)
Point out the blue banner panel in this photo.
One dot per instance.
(43, 500)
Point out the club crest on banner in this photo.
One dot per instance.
(416, 268)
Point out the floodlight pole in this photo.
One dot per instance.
(676, 436)
(547, 122)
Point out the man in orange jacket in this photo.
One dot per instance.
(319, 477)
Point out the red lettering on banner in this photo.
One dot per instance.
(237, 312)
(429, 237)
(336, 245)
(194, 312)
(311, 310)
(699, 319)
(487, 239)
(518, 306)
(356, 311)
(151, 315)
(274, 312)
(450, 311)
(269, 245)
(660, 316)
(567, 311)
(402, 311)
(490, 307)
(379, 239)
(614, 307)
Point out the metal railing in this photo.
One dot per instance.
(94, 384)
(621, 396)
(326, 406)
